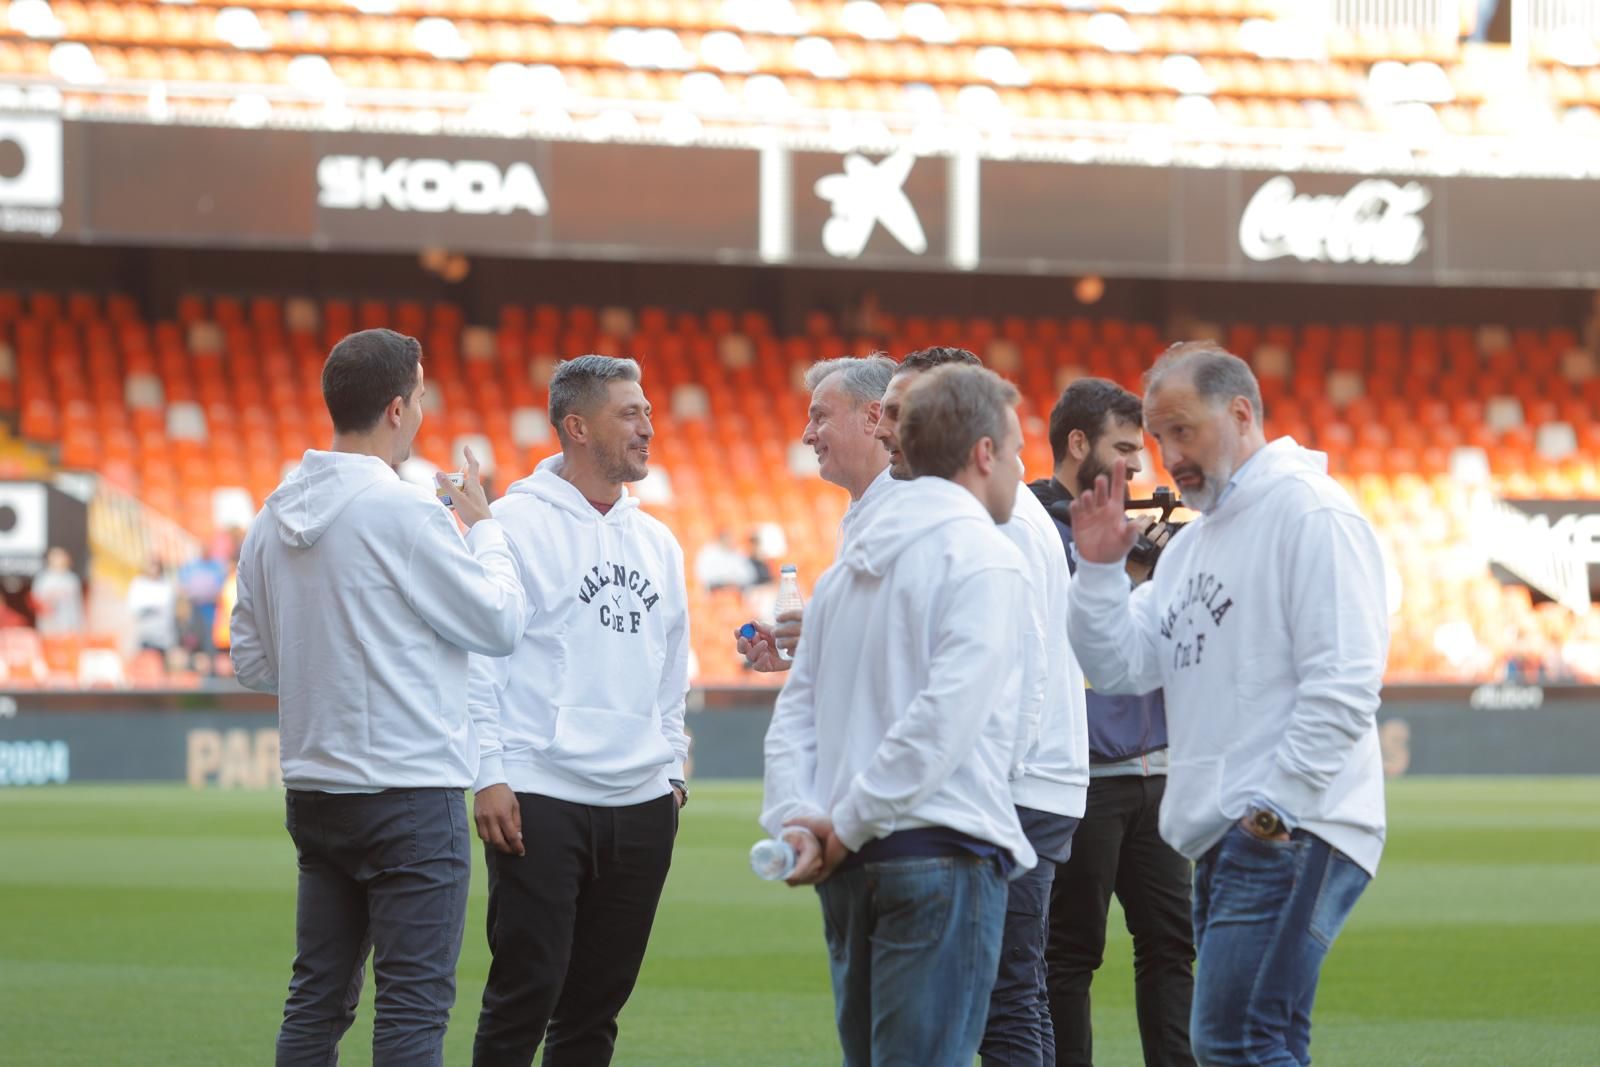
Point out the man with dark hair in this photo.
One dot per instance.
(888, 752)
(1093, 424)
(938, 356)
(580, 732)
(845, 398)
(363, 372)
(1117, 847)
(1049, 775)
(358, 601)
(1266, 628)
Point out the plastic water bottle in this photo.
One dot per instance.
(772, 859)
(789, 598)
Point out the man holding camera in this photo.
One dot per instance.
(1266, 627)
(1117, 847)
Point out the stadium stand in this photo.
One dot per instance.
(196, 418)
(1192, 66)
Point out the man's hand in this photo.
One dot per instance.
(760, 651)
(1101, 529)
(816, 859)
(499, 819)
(786, 633)
(472, 505)
(678, 797)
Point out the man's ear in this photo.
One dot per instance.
(395, 411)
(874, 413)
(1242, 413)
(1078, 445)
(577, 429)
(984, 455)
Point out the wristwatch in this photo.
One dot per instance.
(1264, 822)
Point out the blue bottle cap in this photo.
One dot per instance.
(747, 631)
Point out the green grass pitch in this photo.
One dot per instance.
(153, 925)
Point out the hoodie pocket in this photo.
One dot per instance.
(1191, 807)
(611, 748)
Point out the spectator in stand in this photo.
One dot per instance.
(200, 584)
(719, 565)
(153, 604)
(58, 596)
(222, 631)
(760, 569)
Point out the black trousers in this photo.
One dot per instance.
(568, 925)
(1118, 848)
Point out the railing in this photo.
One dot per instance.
(1559, 16)
(1433, 17)
(126, 532)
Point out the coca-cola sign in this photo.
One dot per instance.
(1376, 221)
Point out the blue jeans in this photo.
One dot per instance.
(1265, 914)
(913, 945)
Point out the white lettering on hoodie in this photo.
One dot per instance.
(1051, 772)
(901, 709)
(1266, 625)
(358, 600)
(589, 707)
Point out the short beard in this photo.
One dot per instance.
(619, 470)
(1088, 472)
(1205, 498)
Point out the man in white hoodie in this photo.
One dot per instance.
(889, 750)
(845, 398)
(581, 732)
(357, 604)
(1266, 625)
(1050, 769)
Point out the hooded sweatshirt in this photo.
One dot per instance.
(589, 708)
(901, 710)
(1267, 626)
(1052, 771)
(358, 601)
(880, 491)
(1127, 733)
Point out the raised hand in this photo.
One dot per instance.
(472, 505)
(1101, 529)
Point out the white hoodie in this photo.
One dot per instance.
(357, 599)
(589, 708)
(901, 710)
(1052, 770)
(1266, 625)
(880, 491)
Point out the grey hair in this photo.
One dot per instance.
(865, 377)
(1217, 374)
(578, 384)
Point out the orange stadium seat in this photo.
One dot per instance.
(260, 407)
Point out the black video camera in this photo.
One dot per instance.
(1154, 538)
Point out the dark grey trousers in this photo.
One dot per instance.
(385, 872)
(1018, 1033)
